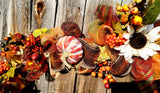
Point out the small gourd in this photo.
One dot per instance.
(70, 49)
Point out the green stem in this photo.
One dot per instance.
(121, 2)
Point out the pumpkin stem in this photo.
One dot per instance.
(63, 58)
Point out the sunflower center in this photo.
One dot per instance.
(138, 40)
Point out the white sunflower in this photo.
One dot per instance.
(140, 43)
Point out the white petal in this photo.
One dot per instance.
(130, 61)
(142, 54)
(134, 52)
(153, 34)
(142, 29)
(119, 47)
(149, 27)
(130, 29)
(154, 46)
(126, 35)
(128, 55)
(124, 49)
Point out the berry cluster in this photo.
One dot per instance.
(4, 66)
(33, 48)
(103, 71)
(11, 44)
(130, 13)
(113, 40)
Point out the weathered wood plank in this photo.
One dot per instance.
(67, 10)
(15, 16)
(88, 84)
(48, 17)
(48, 20)
(18, 17)
(3, 17)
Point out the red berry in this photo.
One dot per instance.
(100, 65)
(35, 56)
(15, 48)
(28, 44)
(106, 85)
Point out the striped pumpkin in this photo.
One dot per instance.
(70, 49)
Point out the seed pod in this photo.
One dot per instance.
(91, 53)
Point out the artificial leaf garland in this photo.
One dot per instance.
(122, 30)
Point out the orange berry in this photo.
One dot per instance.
(108, 68)
(28, 39)
(100, 75)
(125, 8)
(111, 46)
(105, 81)
(119, 8)
(107, 37)
(107, 42)
(113, 42)
(113, 34)
(103, 68)
(124, 18)
(137, 20)
(111, 80)
(105, 63)
(120, 35)
(93, 74)
(119, 40)
(110, 43)
(109, 76)
(123, 41)
(100, 71)
(116, 40)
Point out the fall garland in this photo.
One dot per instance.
(121, 42)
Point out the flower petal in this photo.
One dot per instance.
(149, 27)
(126, 35)
(142, 29)
(153, 34)
(130, 29)
(130, 61)
(142, 54)
(127, 55)
(154, 46)
(134, 52)
(119, 47)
